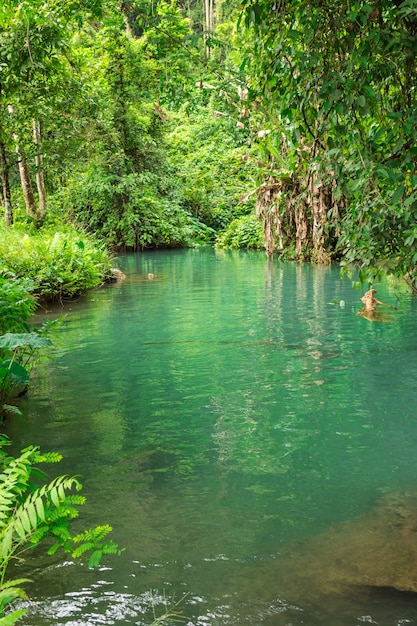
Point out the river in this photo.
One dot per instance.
(248, 436)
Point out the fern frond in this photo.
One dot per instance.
(111, 547)
(39, 535)
(82, 549)
(11, 409)
(75, 499)
(14, 583)
(47, 457)
(95, 558)
(61, 512)
(12, 618)
(93, 534)
(61, 531)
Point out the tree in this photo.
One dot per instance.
(335, 86)
(34, 40)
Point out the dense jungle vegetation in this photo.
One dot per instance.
(170, 123)
(289, 125)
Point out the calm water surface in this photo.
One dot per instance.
(223, 415)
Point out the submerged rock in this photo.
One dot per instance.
(117, 274)
(356, 563)
(377, 549)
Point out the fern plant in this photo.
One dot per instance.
(32, 511)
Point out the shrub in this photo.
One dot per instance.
(243, 232)
(59, 264)
(17, 304)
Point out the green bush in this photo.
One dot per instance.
(17, 304)
(211, 172)
(243, 232)
(59, 264)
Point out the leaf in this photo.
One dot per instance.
(18, 526)
(18, 374)
(398, 194)
(54, 496)
(95, 558)
(6, 543)
(12, 618)
(31, 511)
(40, 510)
(11, 409)
(361, 102)
(11, 341)
(14, 583)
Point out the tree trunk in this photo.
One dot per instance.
(301, 229)
(211, 16)
(7, 198)
(207, 12)
(27, 189)
(29, 196)
(125, 7)
(40, 183)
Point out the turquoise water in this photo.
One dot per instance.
(222, 410)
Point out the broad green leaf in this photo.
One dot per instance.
(11, 341)
(18, 526)
(18, 374)
(6, 543)
(398, 194)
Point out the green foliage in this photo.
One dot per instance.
(58, 264)
(17, 355)
(32, 512)
(17, 304)
(337, 87)
(208, 155)
(243, 232)
(10, 592)
(18, 347)
(105, 97)
(128, 210)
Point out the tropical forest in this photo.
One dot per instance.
(208, 313)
